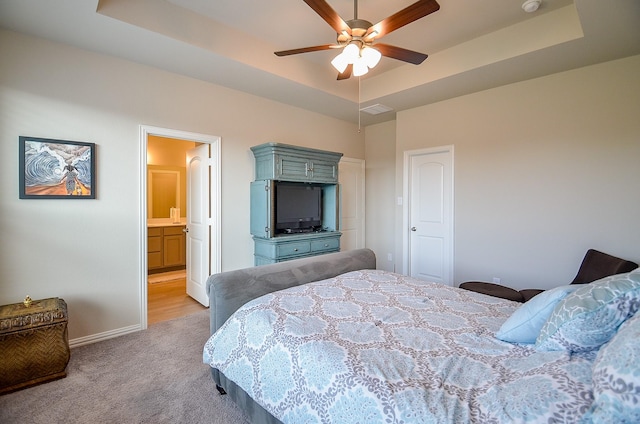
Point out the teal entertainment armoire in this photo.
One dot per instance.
(294, 202)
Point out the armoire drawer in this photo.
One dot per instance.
(289, 249)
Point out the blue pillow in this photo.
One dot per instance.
(616, 377)
(524, 325)
(587, 318)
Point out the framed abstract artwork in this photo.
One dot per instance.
(56, 169)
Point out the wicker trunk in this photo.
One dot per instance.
(34, 344)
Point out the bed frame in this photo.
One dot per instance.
(230, 290)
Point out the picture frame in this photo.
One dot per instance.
(56, 169)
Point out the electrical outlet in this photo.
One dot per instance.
(496, 280)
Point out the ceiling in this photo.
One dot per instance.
(472, 45)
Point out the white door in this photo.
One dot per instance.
(352, 200)
(429, 223)
(198, 222)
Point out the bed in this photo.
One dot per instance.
(330, 339)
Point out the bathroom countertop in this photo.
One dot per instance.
(160, 222)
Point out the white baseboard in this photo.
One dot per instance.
(80, 341)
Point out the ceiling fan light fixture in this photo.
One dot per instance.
(340, 62)
(360, 67)
(371, 56)
(349, 55)
(351, 52)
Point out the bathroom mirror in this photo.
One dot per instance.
(163, 192)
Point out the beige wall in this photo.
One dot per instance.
(544, 170)
(380, 202)
(88, 251)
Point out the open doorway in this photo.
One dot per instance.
(166, 225)
(175, 265)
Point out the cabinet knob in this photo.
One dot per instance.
(295, 250)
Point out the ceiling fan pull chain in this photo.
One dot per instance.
(359, 113)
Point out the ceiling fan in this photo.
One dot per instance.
(356, 37)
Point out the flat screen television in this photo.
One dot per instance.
(298, 207)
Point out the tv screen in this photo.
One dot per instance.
(298, 207)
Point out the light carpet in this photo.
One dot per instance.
(151, 376)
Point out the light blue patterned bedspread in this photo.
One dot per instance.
(377, 347)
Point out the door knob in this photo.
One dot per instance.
(185, 230)
(413, 229)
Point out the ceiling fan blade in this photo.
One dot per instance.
(401, 54)
(330, 16)
(417, 10)
(346, 74)
(306, 50)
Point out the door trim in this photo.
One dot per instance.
(406, 207)
(144, 132)
(360, 164)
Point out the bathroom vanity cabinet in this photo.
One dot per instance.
(166, 248)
